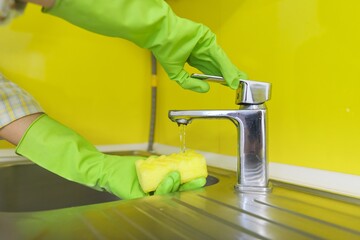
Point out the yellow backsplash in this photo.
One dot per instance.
(97, 85)
(309, 50)
(100, 86)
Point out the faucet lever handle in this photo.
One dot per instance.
(248, 92)
(210, 78)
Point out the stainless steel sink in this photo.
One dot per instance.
(213, 212)
(26, 187)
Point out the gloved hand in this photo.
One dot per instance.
(172, 183)
(10, 9)
(153, 25)
(62, 151)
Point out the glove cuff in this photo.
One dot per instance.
(59, 149)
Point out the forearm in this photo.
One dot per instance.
(18, 110)
(14, 131)
(44, 3)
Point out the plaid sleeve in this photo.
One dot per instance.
(15, 102)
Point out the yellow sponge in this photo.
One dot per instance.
(152, 170)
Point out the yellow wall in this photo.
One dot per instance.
(309, 50)
(98, 86)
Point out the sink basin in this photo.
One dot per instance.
(26, 187)
(214, 212)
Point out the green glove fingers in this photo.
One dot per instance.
(195, 85)
(209, 57)
(187, 82)
(192, 185)
(152, 24)
(171, 183)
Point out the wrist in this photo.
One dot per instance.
(43, 3)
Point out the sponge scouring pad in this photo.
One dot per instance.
(152, 170)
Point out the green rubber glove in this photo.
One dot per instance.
(64, 152)
(153, 25)
(171, 183)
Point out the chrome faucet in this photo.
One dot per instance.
(250, 120)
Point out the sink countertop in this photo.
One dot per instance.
(213, 212)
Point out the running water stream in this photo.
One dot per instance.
(182, 133)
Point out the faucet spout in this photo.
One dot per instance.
(186, 116)
(250, 121)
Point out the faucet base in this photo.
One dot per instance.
(252, 189)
